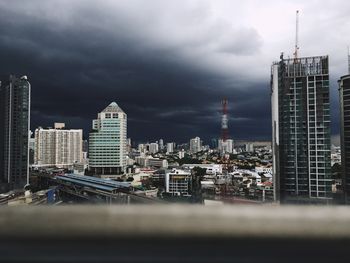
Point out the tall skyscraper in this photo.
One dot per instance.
(344, 94)
(195, 145)
(58, 147)
(107, 142)
(14, 133)
(301, 129)
(161, 144)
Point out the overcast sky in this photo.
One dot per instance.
(166, 63)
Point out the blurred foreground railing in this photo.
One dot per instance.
(174, 234)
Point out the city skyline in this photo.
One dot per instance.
(171, 85)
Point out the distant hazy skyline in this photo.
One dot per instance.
(166, 63)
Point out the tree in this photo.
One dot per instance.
(188, 159)
(198, 171)
(336, 171)
(197, 176)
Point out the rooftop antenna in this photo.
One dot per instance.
(296, 36)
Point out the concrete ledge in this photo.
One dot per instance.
(167, 221)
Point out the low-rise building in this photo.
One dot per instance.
(263, 169)
(210, 168)
(158, 163)
(181, 154)
(178, 182)
(149, 161)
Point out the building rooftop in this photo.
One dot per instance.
(94, 182)
(113, 107)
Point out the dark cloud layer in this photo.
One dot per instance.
(80, 56)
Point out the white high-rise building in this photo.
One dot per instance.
(58, 147)
(153, 148)
(170, 147)
(225, 146)
(161, 144)
(195, 145)
(249, 147)
(107, 142)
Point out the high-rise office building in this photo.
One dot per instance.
(107, 142)
(301, 129)
(58, 147)
(195, 145)
(14, 133)
(344, 94)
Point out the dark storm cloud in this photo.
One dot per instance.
(81, 55)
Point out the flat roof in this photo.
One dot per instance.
(98, 183)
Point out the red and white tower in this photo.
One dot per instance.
(224, 121)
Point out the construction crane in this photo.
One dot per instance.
(296, 37)
(348, 60)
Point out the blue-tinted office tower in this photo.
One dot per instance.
(108, 142)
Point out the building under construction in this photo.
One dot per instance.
(344, 95)
(301, 140)
(301, 129)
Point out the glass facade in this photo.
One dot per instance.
(14, 133)
(107, 142)
(344, 93)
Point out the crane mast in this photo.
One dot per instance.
(296, 36)
(348, 60)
